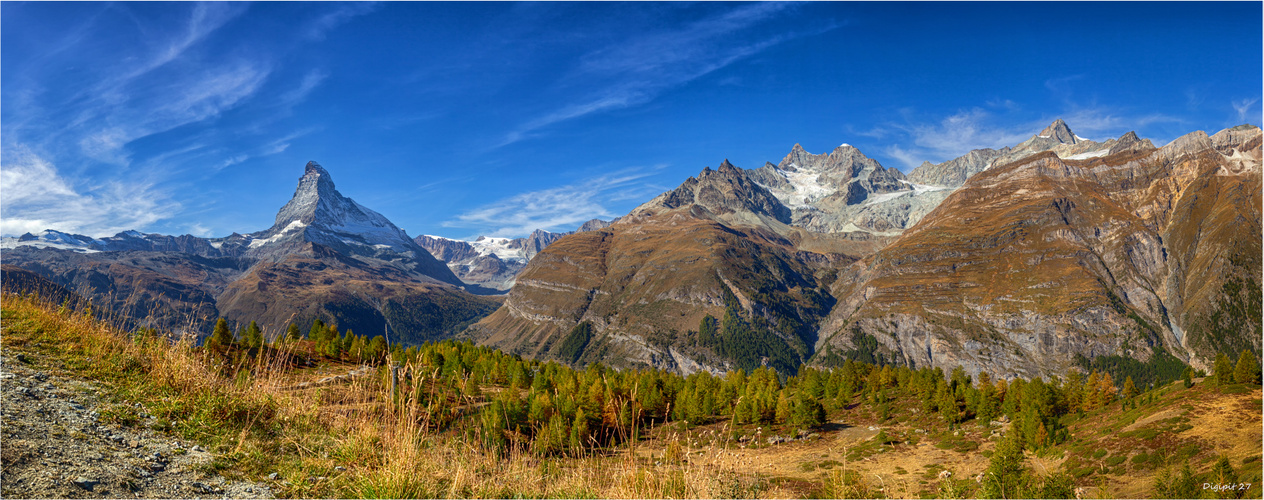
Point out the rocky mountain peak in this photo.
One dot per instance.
(1059, 131)
(725, 190)
(315, 193)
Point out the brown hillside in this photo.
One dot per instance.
(1031, 263)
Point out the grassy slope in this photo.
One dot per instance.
(256, 426)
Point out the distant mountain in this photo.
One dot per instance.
(1057, 137)
(326, 257)
(1018, 261)
(486, 261)
(844, 191)
(720, 244)
(1096, 253)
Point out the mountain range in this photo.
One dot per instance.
(1019, 261)
(1022, 261)
(325, 257)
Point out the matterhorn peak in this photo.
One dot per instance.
(1059, 131)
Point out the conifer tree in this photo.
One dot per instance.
(292, 332)
(318, 327)
(1224, 369)
(1248, 369)
(350, 339)
(1106, 390)
(222, 335)
(783, 408)
(254, 336)
(1006, 475)
(1130, 389)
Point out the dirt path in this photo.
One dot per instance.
(56, 445)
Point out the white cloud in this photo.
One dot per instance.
(979, 128)
(633, 72)
(275, 146)
(37, 197)
(956, 135)
(317, 29)
(310, 81)
(1243, 107)
(558, 209)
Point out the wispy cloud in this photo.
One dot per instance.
(38, 198)
(955, 135)
(1243, 107)
(558, 209)
(310, 81)
(633, 72)
(275, 146)
(107, 127)
(979, 128)
(317, 30)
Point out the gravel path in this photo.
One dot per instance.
(55, 446)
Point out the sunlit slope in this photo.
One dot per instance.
(1034, 262)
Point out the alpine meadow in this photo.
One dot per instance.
(636, 265)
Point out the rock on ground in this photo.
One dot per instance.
(56, 446)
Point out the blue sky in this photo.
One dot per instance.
(466, 119)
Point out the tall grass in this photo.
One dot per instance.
(340, 440)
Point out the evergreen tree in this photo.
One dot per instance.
(292, 332)
(254, 336)
(377, 348)
(1180, 485)
(1223, 474)
(348, 340)
(1248, 369)
(1091, 398)
(1006, 475)
(783, 408)
(332, 345)
(1224, 369)
(222, 335)
(317, 330)
(1130, 389)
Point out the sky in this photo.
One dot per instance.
(469, 119)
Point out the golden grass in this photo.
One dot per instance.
(332, 441)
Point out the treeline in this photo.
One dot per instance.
(552, 409)
(325, 341)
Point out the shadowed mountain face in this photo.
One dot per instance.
(1050, 249)
(325, 257)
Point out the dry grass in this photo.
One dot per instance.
(331, 441)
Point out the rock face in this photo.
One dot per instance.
(845, 191)
(1033, 262)
(326, 257)
(954, 172)
(722, 192)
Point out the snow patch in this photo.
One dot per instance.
(1090, 154)
(292, 226)
(804, 187)
(500, 247)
